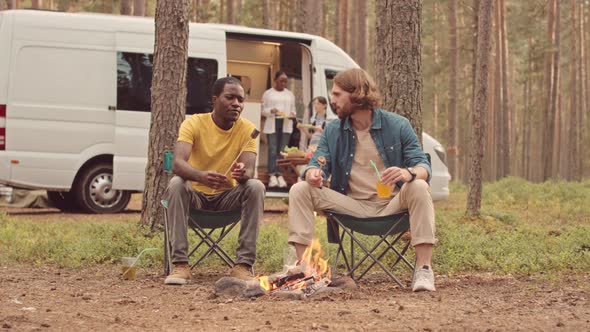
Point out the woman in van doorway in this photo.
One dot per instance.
(317, 120)
(278, 106)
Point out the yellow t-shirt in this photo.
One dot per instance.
(214, 149)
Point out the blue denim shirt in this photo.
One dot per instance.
(394, 137)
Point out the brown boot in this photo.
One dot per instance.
(242, 271)
(181, 275)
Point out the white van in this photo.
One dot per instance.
(75, 97)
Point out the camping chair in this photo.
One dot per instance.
(387, 228)
(204, 223)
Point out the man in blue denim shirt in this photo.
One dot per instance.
(365, 134)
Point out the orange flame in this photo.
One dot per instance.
(264, 283)
(313, 263)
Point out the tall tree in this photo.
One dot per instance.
(139, 7)
(37, 4)
(436, 65)
(342, 24)
(231, 16)
(552, 79)
(266, 14)
(398, 58)
(311, 17)
(453, 77)
(126, 7)
(168, 100)
(484, 31)
(506, 123)
(12, 4)
(362, 51)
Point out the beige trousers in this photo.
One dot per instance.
(414, 196)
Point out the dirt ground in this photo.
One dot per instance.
(99, 299)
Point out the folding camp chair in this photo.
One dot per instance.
(204, 223)
(387, 227)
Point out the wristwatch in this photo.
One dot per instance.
(412, 173)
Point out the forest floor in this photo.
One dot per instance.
(97, 298)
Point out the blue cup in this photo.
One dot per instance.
(168, 157)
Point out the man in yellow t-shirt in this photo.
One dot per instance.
(214, 162)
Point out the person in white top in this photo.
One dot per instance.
(278, 106)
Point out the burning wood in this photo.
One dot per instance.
(311, 274)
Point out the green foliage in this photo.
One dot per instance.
(524, 228)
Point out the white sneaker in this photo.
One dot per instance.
(273, 182)
(423, 280)
(282, 183)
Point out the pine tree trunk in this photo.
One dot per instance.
(126, 7)
(237, 11)
(38, 4)
(352, 31)
(203, 11)
(583, 94)
(139, 7)
(506, 123)
(265, 14)
(168, 100)
(452, 115)
(231, 17)
(571, 134)
(342, 23)
(11, 4)
(497, 172)
(436, 65)
(484, 31)
(398, 58)
(551, 91)
(362, 50)
(311, 17)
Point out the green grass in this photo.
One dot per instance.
(524, 228)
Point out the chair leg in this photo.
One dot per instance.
(167, 247)
(369, 253)
(213, 246)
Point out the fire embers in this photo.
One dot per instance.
(307, 277)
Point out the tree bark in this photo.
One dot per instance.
(126, 7)
(551, 79)
(265, 14)
(37, 4)
(583, 94)
(311, 17)
(436, 65)
(506, 116)
(231, 17)
(452, 149)
(168, 100)
(479, 106)
(12, 4)
(342, 23)
(139, 7)
(362, 50)
(398, 58)
(352, 30)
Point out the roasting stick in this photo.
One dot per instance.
(322, 163)
(253, 135)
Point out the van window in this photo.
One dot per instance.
(134, 81)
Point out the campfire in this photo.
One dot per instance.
(309, 275)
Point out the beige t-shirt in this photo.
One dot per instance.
(363, 178)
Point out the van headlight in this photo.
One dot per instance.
(442, 155)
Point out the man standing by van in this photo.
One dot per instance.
(363, 135)
(209, 146)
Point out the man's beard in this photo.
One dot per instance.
(344, 112)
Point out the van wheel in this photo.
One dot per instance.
(94, 191)
(63, 200)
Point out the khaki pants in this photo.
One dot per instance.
(413, 196)
(248, 196)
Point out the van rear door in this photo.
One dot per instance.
(207, 61)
